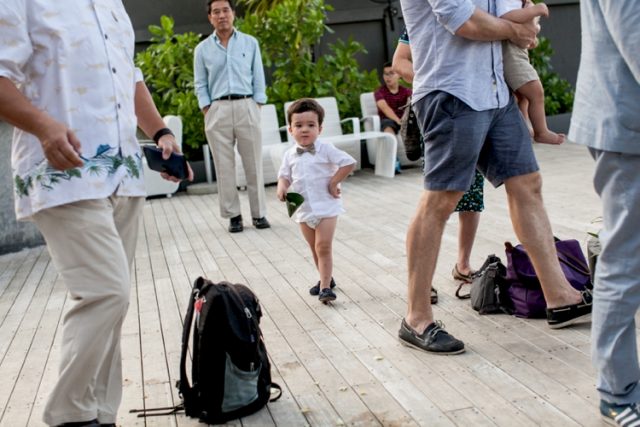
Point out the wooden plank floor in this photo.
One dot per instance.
(339, 364)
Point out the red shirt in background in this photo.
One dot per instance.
(394, 100)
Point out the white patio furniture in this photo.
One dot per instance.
(385, 151)
(371, 122)
(154, 183)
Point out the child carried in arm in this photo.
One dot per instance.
(315, 169)
(520, 75)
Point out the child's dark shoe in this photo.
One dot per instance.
(327, 295)
(315, 290)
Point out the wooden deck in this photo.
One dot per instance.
(339, 364)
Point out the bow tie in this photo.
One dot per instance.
(311, 149)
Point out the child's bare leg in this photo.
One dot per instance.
(310, 236)
(523, 106)
(324, 249)
(534, 93)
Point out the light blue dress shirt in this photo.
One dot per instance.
(469, 70)
(234, 70)
(606, 111)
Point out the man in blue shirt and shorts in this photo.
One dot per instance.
(470, 120)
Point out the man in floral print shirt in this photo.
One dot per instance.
(69, 86)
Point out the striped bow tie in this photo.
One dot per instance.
(311, 149)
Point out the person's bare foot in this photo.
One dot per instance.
(549, 137)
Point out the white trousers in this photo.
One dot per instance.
(226, 123)
(92, 244)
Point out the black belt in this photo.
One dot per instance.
(232, 97)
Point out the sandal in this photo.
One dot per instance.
(466, 278)
(434, 296)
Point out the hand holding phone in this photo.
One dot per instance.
(175, 165)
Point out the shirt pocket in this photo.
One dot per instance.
(242, 62)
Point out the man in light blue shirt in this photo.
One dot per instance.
(470, 121)
(606, 118)
(230, 86)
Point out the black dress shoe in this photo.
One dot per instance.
(261, 222)
(92, 423)
(235, 224)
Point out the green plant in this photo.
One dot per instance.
(558, 93)
(288, 33)
(167, 65)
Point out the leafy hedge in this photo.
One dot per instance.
(558, 93)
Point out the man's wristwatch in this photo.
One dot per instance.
(162, 132)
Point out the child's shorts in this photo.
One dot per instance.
(517, 68)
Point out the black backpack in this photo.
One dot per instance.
(230, 368)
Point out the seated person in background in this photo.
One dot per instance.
(390, 98)
(520, 75)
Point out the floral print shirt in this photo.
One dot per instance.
(74, 60)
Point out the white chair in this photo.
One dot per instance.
(270, 141)
(154, 183)
(385, 154)
(371, 122)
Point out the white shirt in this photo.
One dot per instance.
(74, 60)
(310, 174)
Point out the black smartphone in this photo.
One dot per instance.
(175, 165)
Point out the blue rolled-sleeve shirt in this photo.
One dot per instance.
(234, 70)
(467, 69)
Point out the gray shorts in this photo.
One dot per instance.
(458, 139)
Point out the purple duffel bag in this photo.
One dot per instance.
(525, 290)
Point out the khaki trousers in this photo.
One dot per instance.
(92, 244)
(226, 123)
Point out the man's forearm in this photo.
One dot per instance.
(402, 62)
(486, 27)
(16, 110)
(524, 15)
(149, 119)
(388, 111)
(483, 26)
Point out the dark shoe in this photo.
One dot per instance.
(466, 278)
(261, 223)
(327, 295)
(315, 290)
(560, 317)
(620, 415)
(433, 340)
(434, 296)
(235, 224)
(92, 423)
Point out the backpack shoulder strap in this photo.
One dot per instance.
(275, 386)
(183, 384)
